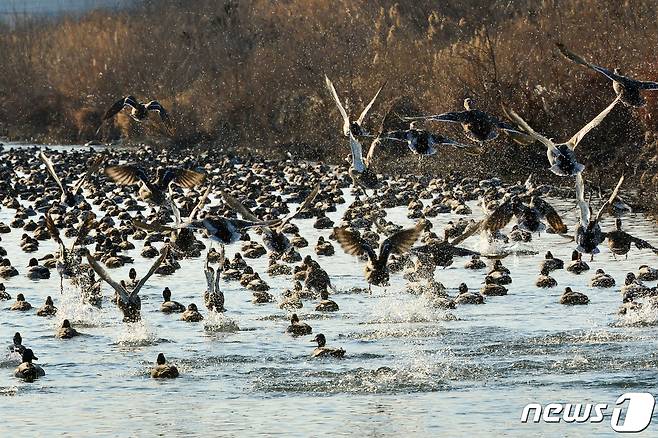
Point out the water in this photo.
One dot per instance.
(409, 369)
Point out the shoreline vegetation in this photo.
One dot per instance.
(248, 76)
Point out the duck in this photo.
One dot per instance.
(297, 328)
(27, 370)
(478, 125)
(423, 143)
(376, 271)
(137, 111)
(475, 263)
(577, 265)
(37, 272)
(66, 331)
(6, 269)
(464, 296)
(169, 306)
(71, 196)
(48, 309)
(353, 127)
(149, 252)
(275, 269)
(324, 247)
(634, 286)
(602, 280)
(570, 297)
(628, 305)
(326, 305)
(361, 169)
(491, 288)
(4, 295)
(499, 277)
(291, 300)
(323, 351)
(191, 314)
(213, 297)
(646, 273)
(162, 369)
(562, 156)
(545, 280)
(20, 304)
(17, 344)
(551, 263)
(627, 89)
(619, 241)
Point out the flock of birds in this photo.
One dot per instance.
(166, 197)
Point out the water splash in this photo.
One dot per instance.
(218, 322)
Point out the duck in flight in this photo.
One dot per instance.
(155, 191)
(562, 156)
(478, 125)
(355, 127)
(376, 269)
(361, 169)
(628, 89)
(137, 111)
(422, 142)
(71, 196)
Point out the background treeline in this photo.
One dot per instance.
(248, 74)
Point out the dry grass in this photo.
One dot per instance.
(249, 73)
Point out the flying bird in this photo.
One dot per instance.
(71, 196)
(352, 126)
(137, 111)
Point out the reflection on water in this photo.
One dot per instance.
(409, 368)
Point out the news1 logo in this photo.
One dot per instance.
(636, 418)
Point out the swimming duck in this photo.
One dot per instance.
(551, 263)
(48, 309)
(601, 279)
(620, 241)
(6, 269)
(149, 251)
(316, 279)
(138, 111)
(628, 304)
(154, 192)
(353, 127)
(20, 304)
(478, 125)
(376, 271)
(324, 247)
(17, 346)
(500, 277)
(577, 265)
(634, 286)
(36, 271)
(570, 297)
(128, 299)
(291, 300)
(192, 314)
(645, 273)
(297, 328)
(66, 331)
(491, 288)
(588, 234)
(475, 263)
(626, 88)
(27, 370)
(275, 269)
(322, 350)
(562, 156)
(326, 305)
(4, 295)
(72, 196)
(464, 296)
(545, 280)
(169, 306)
(163, 370)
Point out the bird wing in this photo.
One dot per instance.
(83, 231)
(580, 201)
(578, 136)
(371, 151)
(304, 205)
(522, 123)
(357, 154)
(648, 85)
(363, 114)
(610, 199)
(343, 113)
(92, 168)
(156, 265)
(154, 105)
(471, 229)
(51, 170)
(119, 105)
(102, 273)
(353, 244)
(400, 242)
(551, 215)
(454, 117)
(188, 178)
(239, 207)
(515, 134)
(580, 60)
(499, 217)
(202, 202)
(126, 174)
(156, 226)
(52, 229)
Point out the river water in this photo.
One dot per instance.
(410, 369)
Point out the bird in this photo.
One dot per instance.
(355, 127)
(478, 125)
(322, 350)
(66, 331)
(619, 241)
(561, 156)
(298, 328)
(27, 370)
(571, 297)
(628, 89)
(48, 309)
(213, 297)
(529, 216)
(128, 300)
(154, 192)
(71, 196)
(376, 270)
(588, 234)
(192, 314)
(361, 169)
(138, 111)
(162, 369)
(169, 306)
(422, 142)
